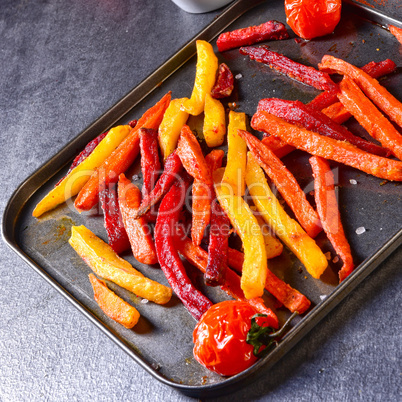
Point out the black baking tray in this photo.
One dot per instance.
(162, 340)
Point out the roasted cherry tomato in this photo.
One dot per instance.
(220, 337)
(311, 18)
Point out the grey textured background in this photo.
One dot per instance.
(63, 63)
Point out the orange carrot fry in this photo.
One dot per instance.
(298, 113)
(199, 258)
(203, 195)
(201, 210)
(370, 86)
(277, 146)
(121, 159)
(397, 32)
(327, 207)
(137, 230)
(286, 184)
(214, 159)
(328, 102)
(374, 69)
(112, 305)
(337, 113)
(364, 111)
(327, 148)
(289, 297)
(190, 154)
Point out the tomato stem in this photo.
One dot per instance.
(263, 338)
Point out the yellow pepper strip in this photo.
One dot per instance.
(205, 76)
(76, 179)
(237, 154)
(105, 263)
(169, 130)
(286, 228)
(273, 246)
(214, 122)
(112, 305)
(254, 272)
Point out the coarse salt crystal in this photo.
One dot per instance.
(360, 230)
(238, 76)
(323, 297)
(353, 181)
(144, 301)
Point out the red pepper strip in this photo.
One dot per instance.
(203, 195)
(199, 258)
(113, 221)
(172, 168)
(296, 112)
(270, 30)
(84, 154)
(326, 147)
(285, 183)
(323, 100)
(224, 83)
(291, 298)
(374, 69)
(300, 72)
(166, 241)
(397, 32)
(327, 207)
(190, 153)
(277, 146)
(391, 106)
(137, 230)
(364, 111)
(121, 158)
(379, 69)
(218, 246)
(150, 164)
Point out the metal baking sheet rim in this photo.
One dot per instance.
(29, 186)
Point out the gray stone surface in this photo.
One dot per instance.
(62, 64)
